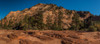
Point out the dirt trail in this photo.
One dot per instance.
(48, 37)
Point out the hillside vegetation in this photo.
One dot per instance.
(49, 17)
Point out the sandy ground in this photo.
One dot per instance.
(48, 37)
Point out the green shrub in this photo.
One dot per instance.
(92, 28)
(84, 29)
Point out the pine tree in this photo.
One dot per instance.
(49, 22)
(76, 22)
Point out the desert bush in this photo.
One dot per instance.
(92, 28)
(84, 29)
(56, 28)
(97, 24)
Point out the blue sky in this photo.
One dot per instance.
(79, 5)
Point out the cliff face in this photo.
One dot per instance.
(51, 14)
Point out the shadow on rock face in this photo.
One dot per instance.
(28, 42)
(12, 36)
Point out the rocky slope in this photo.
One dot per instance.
(51, 14)
(48, 37)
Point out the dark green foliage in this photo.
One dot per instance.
(60, 16)
(86, 25)
(97, 25)
(76, 23)
(57, 24)
(1, 23)
(18, 26)
(49, 23)
(10, 23)
(92, 28)
(30, 22)
(91, 25)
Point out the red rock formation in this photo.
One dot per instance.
(46, 10)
